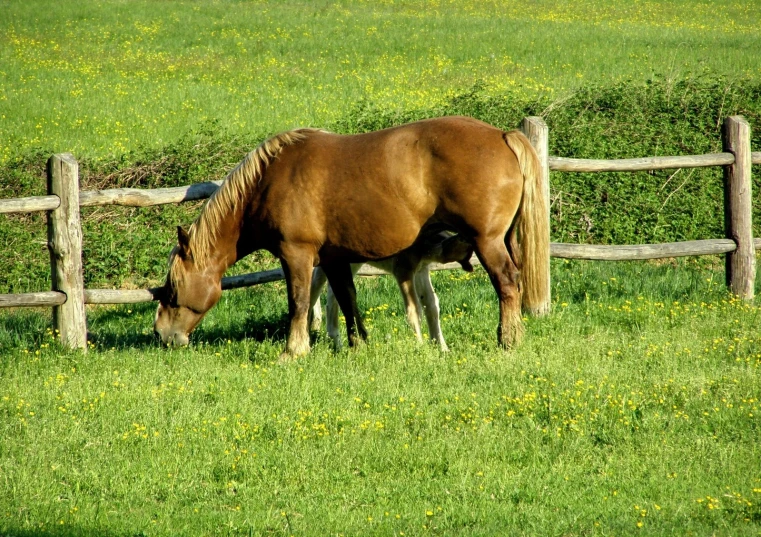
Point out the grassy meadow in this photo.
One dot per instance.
(102, 78)
(632, 409)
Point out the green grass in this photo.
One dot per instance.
(631, 410)
(102, 78)
(635, 402)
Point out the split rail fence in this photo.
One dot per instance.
(64, 200)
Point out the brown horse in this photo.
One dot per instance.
(315, 198)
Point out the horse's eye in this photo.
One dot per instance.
(167, 295)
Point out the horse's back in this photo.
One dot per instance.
(400, 156)
(370, 194)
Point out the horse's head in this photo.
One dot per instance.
(189, 292)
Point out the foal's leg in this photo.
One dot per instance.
(341, 281)
(431, 305)
(405, 277)
(331, 307)
(297, 266)
(315, 311)
(504, 277)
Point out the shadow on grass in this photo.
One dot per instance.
(23, 328)
(123, 328)
(66, 531)
(273, 328)
(578, 281)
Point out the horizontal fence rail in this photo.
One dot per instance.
(136, 296)
(739, 246)
(29, 205)
(639, 164)
(593, 252)
(27, 300)
(632, 252)
(137, 197)
(127, 197)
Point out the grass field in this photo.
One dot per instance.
(632, 409)
(102, 78)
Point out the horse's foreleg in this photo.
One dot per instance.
(342, 283)
(297, 266)
(504, 277)
(331, 308)
(315, 310)
(431, 304)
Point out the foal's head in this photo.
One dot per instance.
(189, 292)
(455, 248)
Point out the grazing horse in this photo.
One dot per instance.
(316, 198)
(411, 268)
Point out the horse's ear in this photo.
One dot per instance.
(183, 239)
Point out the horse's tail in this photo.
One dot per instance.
(532, 227)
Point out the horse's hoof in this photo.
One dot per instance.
(286, 358)
(511, 338)
(297, 346)
(357, 342)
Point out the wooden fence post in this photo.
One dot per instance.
(65, 245)
(738, 208)
(537, 132)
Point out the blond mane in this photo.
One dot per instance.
(232, 195)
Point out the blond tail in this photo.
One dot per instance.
(533, 228)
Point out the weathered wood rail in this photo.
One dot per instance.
(64, 200)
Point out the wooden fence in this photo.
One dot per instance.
(68, 297)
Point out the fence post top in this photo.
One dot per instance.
(737, 119)
(65, 157)
(537, 120)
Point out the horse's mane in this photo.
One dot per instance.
(233, 192)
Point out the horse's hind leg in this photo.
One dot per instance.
(341, 282)
(431, 304)
(504, 276)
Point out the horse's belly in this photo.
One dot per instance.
(358, 249)
(369, 240)
(375, 229)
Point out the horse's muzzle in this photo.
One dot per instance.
(172, 339)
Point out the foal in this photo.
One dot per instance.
(411, 268)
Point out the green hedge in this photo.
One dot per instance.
(125, 247)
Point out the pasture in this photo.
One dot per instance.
(101, 79)
(632, 409)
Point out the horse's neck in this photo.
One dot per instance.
(224, 252)
(238, 234)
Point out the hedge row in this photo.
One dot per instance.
(125, 247)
